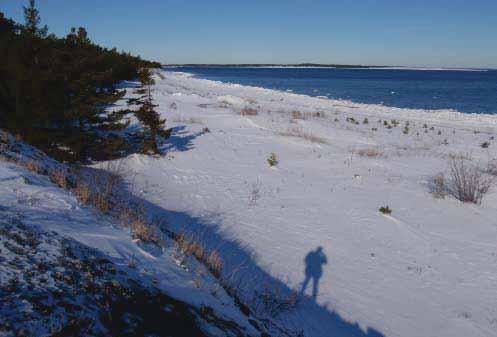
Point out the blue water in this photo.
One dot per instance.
(464, 91)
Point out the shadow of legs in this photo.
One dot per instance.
(304, 284)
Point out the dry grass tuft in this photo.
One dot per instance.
(101, 202)
(273, 301)
(193, 246)
(370, 152)
(82, 192)
(145, 231)
(34, 166)
(297, 114)
(190, 120)
(60, 178)
(247, 111)
(190, 246)
(299, 133)
(215, 263)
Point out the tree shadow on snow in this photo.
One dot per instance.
(180, 140)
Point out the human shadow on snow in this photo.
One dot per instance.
(246, 278)
(314, 262)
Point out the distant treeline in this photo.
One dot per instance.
(54, 91)
(262, 65)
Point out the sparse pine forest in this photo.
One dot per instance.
(55, 92)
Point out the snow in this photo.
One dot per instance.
(39, 203)
(428, 269)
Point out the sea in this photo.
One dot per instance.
(463, 90)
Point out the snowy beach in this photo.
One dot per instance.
(427, 269)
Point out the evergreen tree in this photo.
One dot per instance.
(54, 92)
(32, 18)
(148, 117)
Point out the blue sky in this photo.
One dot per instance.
(450, 33)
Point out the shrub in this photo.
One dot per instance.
(365, 121)
(485, 145)
(272, 159)
(468, 182)
(385, 210)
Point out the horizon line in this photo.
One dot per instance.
(320, 65)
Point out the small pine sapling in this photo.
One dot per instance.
(272, 159)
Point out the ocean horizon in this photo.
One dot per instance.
(466, 90)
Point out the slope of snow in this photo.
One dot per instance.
(428, 269)
(32, 206)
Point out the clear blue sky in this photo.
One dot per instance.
(450, 33)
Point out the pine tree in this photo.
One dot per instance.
(54, 92)
(83, 36)
(149, 118)
(32, 18)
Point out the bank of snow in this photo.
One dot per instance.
(428, 269)
(66, 270)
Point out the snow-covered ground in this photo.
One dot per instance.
(32, 208)
(428, 269)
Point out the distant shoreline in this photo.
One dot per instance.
(316, 65)
(268, 65)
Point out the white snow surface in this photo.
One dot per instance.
(428, 269)
(38, 202)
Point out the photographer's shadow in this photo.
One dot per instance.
(314, 262)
